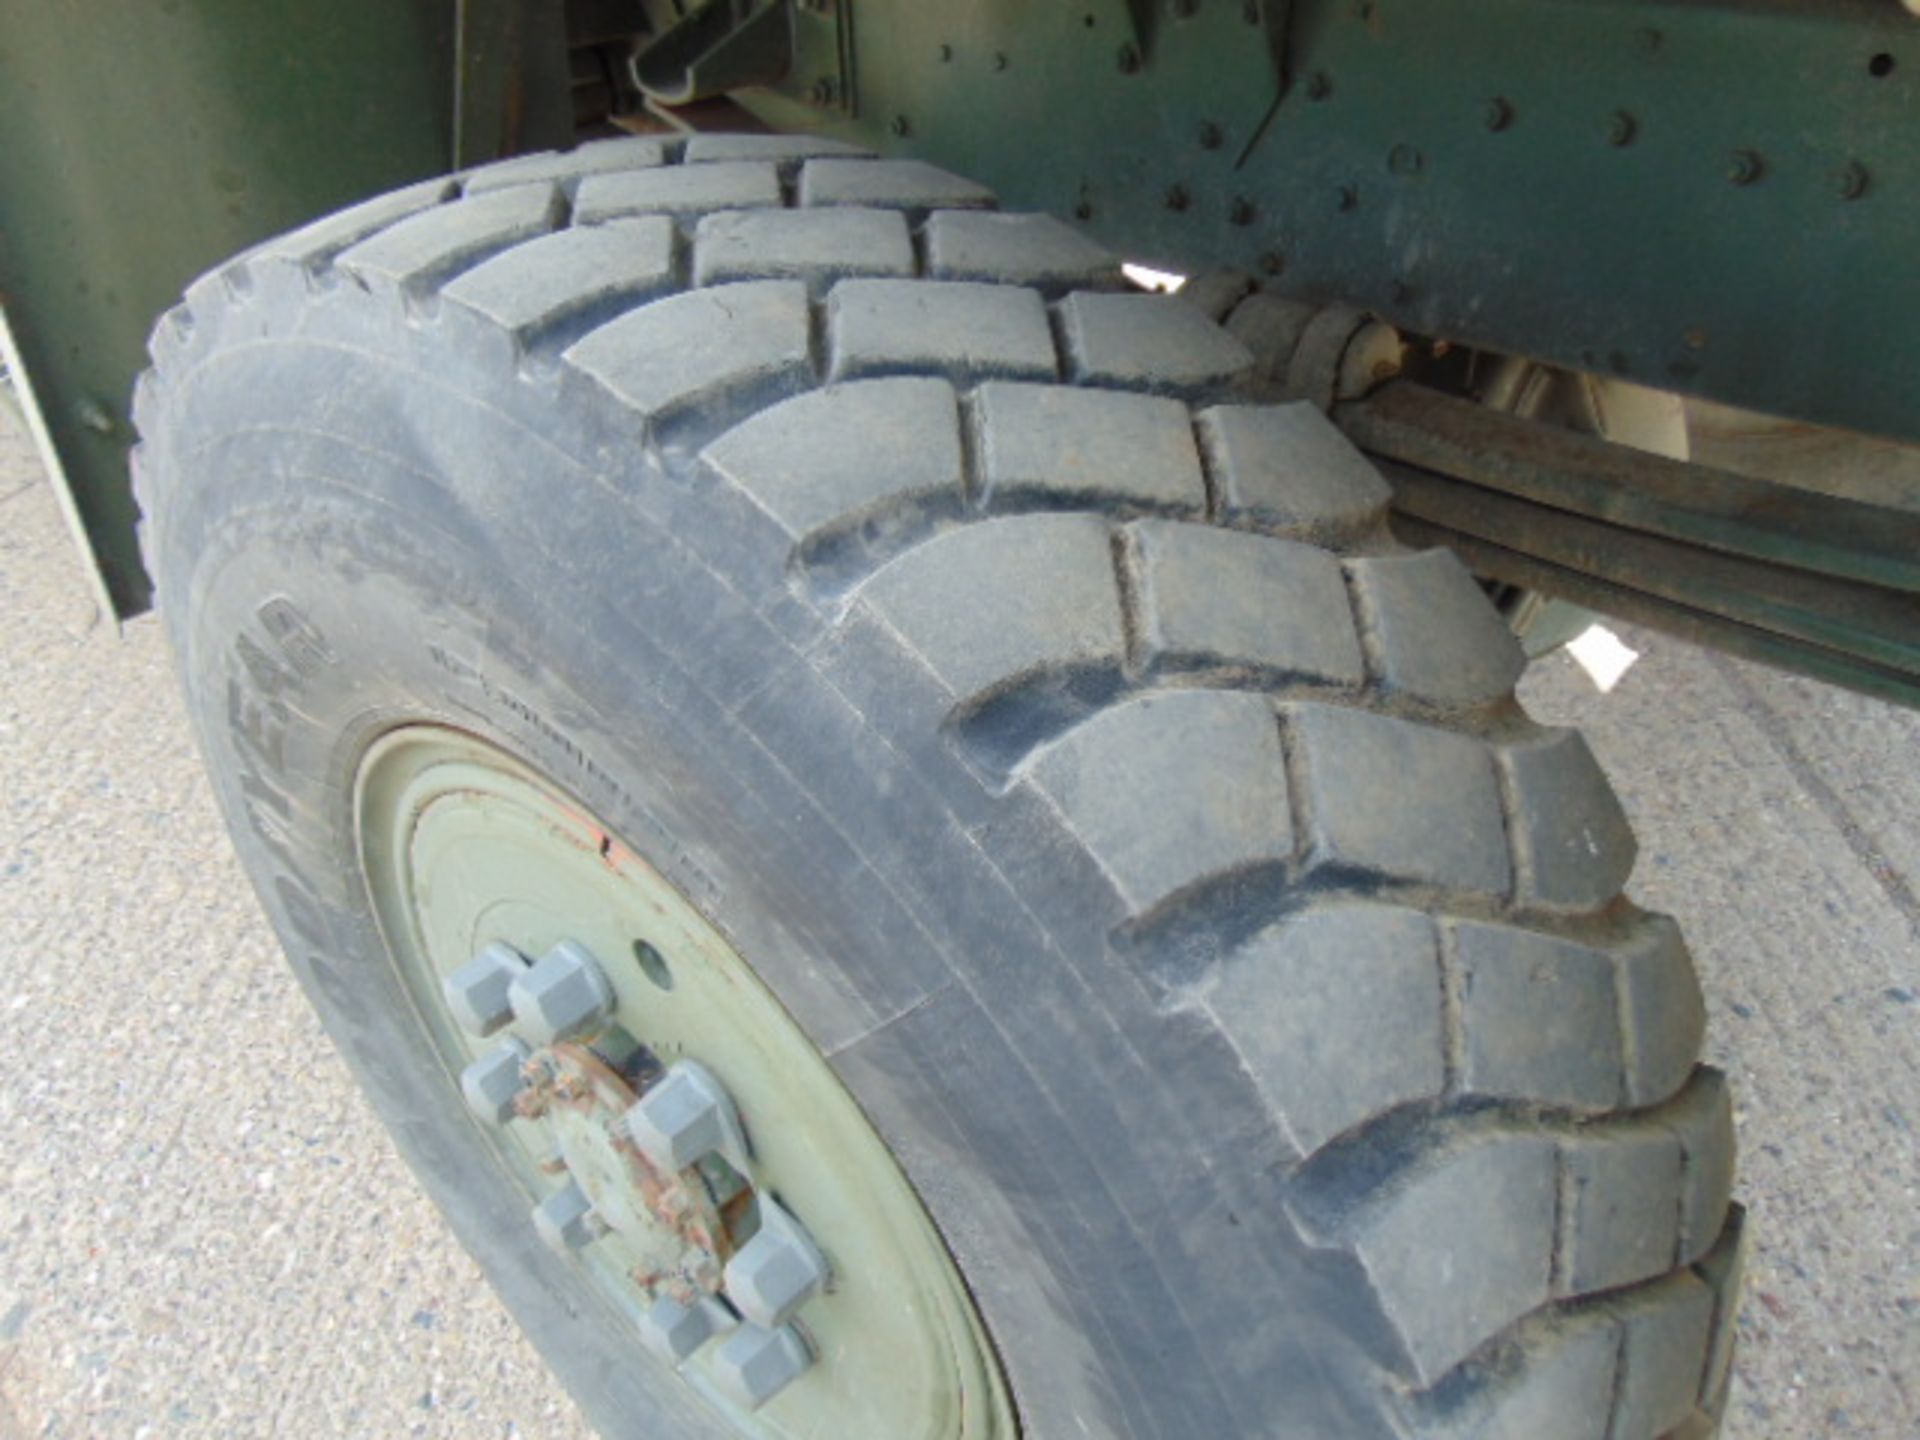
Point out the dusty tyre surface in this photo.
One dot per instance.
(1150, 844)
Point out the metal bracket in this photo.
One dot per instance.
(724, 45)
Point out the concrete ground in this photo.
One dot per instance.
(203, 1231)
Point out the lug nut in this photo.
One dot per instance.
(757, 1364)
(674, 1331)
(686, 1115)
(565, 1219)
(562, 995)
(492, 1083)
(476, 993)
(777, 1271)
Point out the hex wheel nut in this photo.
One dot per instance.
(686, 1115)
(777, 1271)
(476, 993)
(563, 994)
(674, 1331)
(757, 1364)
(565, 1218)
(492, 1083)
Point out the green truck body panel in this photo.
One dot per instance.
(1718, 198)
(148, 139)
(1711, 196)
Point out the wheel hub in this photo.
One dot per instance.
(681, 1142)
(679, 1227)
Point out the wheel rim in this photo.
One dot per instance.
(465, 850)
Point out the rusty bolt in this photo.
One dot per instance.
(1319, 85)
(1128, 59)
(1209, 136)
(1497, 114)
(1745, 166)
(756, 1365)
(476, 993)
(777, 1271)
(674, 1331)
(1621, 128)
(1850, 180)
(1178, 198)
(1241, 211)
(491, 1084)
(684, 1117)
(565, 1219)
(562, 995)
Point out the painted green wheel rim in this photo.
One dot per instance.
(463, 846)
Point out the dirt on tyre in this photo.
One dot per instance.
(1147, 846)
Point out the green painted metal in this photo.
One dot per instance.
(148, 139)
(463, 846)
(511, 79)
(1715, 197)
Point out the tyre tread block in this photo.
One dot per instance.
(1620, 1225)
(1436, 635)
(1093, 448)
(568, 273)
(1539, 1017)
(987, 606)
(568, 167)
(326, 237)
(684, 349)
(679, 190)
(818, 247)
(1663, 1013)
(1213, 803)
(425, 247)
(911, 185)
(1575, 848)
(795, 463)
(1400, 800)
(1149, 342)
(721, 149)
(1462, 1247)
(1213, 599)
(1033, 250)
(938, 327)
(1292, 998)
(1286, 468)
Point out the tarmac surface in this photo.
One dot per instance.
(203, 1230)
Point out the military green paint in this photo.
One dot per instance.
(1718, 198)
(149, 139)
(1711, 197)
(462, 846)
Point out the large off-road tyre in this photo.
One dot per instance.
(1153, 846)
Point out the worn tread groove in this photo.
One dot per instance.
(1127, 583)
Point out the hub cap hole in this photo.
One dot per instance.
(653, 965)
